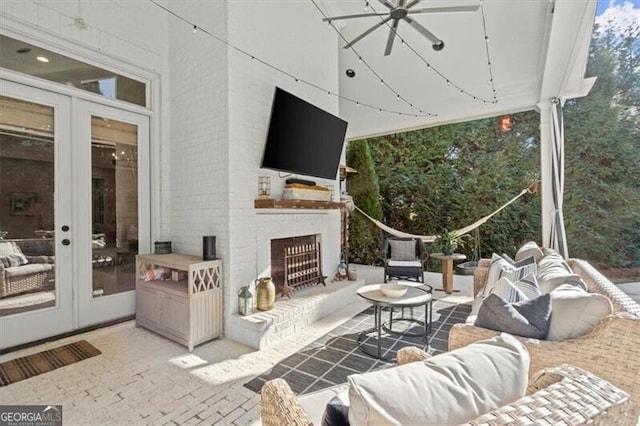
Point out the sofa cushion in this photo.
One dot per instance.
(529, 249)
(403, 250)
(11, 260)
(336, 412)
(450, 388)
(314, 403)
(554, 271)
(528, 318)
(31, 268)
(575, 312)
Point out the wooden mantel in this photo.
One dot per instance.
(270, 203)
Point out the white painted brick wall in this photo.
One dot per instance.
(211, 110)
(303, 47)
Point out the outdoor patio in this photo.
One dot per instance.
(143, 378)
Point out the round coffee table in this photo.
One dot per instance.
(417, 295)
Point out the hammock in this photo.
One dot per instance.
(461, 231)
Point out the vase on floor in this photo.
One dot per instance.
(265, 294)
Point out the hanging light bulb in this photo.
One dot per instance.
(366, 6)
(195, 28)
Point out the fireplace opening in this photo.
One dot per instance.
(296, 262)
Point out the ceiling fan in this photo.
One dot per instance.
(401, 11)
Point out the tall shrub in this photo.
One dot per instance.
(365, 239)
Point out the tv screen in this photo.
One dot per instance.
(302, 138)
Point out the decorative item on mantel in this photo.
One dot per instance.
(264, 186)
(265, 293)
(298, 191)
(245, 301)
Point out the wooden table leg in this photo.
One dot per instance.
(447, 275)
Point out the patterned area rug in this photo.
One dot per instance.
(42, 362)
(329, 360)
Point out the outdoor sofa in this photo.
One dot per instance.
(557, 395)
(24, 270)
(611, 350)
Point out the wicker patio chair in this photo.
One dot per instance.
(403, 259)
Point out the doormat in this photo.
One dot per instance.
(42, 362)
(330, 359)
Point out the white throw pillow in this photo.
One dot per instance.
(575, 312)
(529, 249)
(508, 291)
(450, 388)
(554, 271)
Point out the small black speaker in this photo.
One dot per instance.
(209, 247)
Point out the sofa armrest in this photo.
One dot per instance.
(480, 275)
(411, 354)
(280, 405)
(611, 350)
(573, 396)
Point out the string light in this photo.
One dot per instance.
(440, 74)
(486, 46)
(195, 27)
(366, 64)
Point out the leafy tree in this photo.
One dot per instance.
(602, 185)
(450, 176)
(365, 238)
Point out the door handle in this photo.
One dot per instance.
(66, 242)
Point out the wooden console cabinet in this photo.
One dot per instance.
(188, 311)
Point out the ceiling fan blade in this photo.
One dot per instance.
(446, 9)
(428, 34)
(360, 15)
(366, 33)
(401, 3)
(411, 4)
(387, 4)
(392, 36)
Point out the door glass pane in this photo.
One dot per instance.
(114, 205)
(27, 181)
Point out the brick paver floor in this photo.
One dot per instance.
(143, 378)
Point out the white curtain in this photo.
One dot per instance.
(557, 238)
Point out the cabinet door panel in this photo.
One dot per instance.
(147, 306)
(175, 315)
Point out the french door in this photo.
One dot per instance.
(74, 212)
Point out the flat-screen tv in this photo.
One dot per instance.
(302, 138)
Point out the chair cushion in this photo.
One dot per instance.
(11, 260)
(575, 312)
(404, 263)
(528, 318)
(403, 250)
(450, 388)
(529, 249)
(31, 268)
(554, 271)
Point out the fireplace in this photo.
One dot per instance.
(296, 261)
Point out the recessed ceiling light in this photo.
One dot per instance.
(43, 59)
